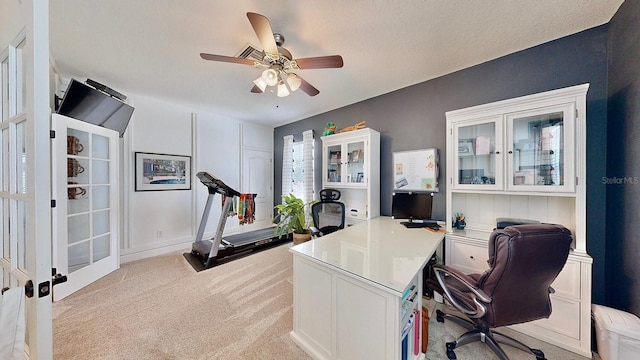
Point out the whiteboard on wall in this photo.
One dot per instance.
(416, 170)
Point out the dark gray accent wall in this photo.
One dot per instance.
(623, 165)
(414, 117)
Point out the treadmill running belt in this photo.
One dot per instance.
(249, 237)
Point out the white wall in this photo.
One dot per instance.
(218, 153)
(158, 222)
(155, 221)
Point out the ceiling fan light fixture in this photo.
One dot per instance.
(260, 83)
(294, 81)
(270, 77)
(282, 89)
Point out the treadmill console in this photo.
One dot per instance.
(216, 185)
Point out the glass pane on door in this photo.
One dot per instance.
(79, 256)
(100, 147)
(4, 89)
(21, 77)
(334, 163)
(355, 162)
(4, 178)
(21, 234)
(538, 150)
(101, 247)
(6, 240)
(476, 154)
(21, 161)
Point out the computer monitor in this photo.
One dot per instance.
(412, 205)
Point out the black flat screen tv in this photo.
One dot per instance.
(82, 102)
(412, 205)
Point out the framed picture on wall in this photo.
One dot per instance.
(466, 147)
(162, 172)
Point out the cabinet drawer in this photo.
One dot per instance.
(468, 258)
(355, 212)
(564, 320)
(568, 281)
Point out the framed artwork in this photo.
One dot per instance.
(162, 172)
(465, 147)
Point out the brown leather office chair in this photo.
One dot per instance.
(523, 262)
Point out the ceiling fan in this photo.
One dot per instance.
(277, 62)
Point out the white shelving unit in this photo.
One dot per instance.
(351, 164)
(524, 158)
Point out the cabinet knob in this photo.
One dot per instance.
(471, 257)
(510, 152)
(497, 152)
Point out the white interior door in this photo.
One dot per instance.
(25, 183)
(86, 214)
(257, 178)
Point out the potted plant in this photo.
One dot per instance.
(290, 218)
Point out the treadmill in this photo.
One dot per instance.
(206, 253)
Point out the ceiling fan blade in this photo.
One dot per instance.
(262, 28)
(321, 62)
(229, 59)
(308, 88)
(256, 89)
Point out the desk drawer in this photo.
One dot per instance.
(467, 257)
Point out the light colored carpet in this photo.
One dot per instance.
(160, 308)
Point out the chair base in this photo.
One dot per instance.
(478, 333)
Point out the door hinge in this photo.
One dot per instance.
(576, 113)
(576, 181)
(52, 134)
(53, 203)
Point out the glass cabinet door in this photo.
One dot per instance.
(538, 143)
(477, 157)
(355, 163)
(334, 163)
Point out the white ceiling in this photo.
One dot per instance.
(152, 47)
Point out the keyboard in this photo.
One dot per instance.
(416, 225)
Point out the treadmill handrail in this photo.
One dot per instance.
(216, 185)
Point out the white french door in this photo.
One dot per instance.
(85, 175)
(25, 185)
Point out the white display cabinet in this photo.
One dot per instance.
(517, 147)
(524, 158)
(351, 164)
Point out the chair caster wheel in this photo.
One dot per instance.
(450, 354)
(439, 316)
(539, 354)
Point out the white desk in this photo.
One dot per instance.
(350, 287)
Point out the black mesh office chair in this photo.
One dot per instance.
(328, 213)
(523, 262)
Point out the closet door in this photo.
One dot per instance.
(86, 192)
(257, 172)
(257, 179)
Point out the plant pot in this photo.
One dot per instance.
(300, 238)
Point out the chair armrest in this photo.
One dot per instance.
(479, 297)
(315, 231)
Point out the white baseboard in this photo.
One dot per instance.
(130, 255)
